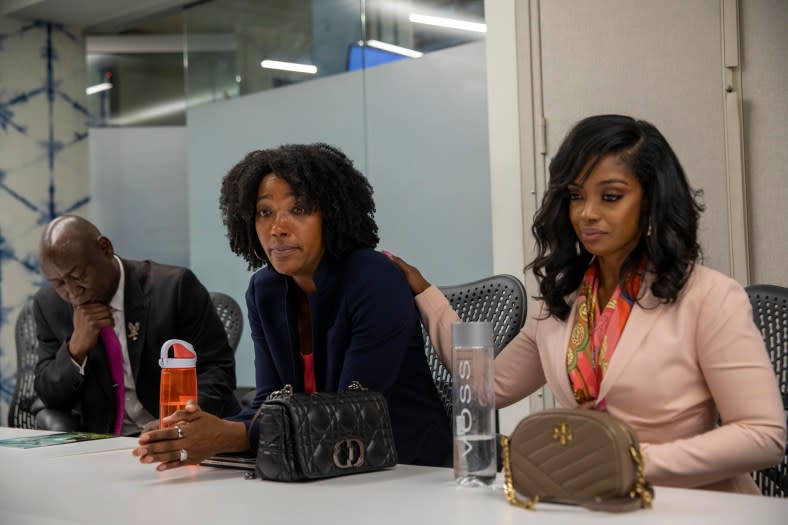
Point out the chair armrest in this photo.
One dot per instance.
(53, 419)
(37, 406)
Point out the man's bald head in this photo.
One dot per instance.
(66, 230)
(78, 261)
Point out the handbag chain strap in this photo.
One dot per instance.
(508, 487)
(286, 392)
(641, 489)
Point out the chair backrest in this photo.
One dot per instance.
(19, 413)
(499, 299)
(231, 315)
(770, 313)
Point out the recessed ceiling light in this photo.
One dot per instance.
(448, 22)
(289, 66)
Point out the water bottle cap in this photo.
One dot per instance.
(477, 333)
(185, 356)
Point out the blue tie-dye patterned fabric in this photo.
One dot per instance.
(43, 160)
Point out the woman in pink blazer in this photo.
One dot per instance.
(628, 322)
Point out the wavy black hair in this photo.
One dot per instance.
(669, 206)
(319, 174)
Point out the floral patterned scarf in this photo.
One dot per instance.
(596, 334)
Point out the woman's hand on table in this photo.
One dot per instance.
(189, 436)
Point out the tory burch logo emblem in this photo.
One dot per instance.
(562, 433)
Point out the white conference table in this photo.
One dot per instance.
(100, 482)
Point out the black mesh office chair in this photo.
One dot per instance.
(27, 410)
(770, 312)
(20, 413)
(499, 299)
(231, 315)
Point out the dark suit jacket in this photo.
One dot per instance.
(168, 302)
(364, 327)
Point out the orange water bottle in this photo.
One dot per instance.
(178, 377)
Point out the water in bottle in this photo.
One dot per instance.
(473, 402)
(178, 377)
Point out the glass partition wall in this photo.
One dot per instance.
(220, 49)
(238, 47)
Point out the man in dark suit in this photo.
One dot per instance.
(146, 304)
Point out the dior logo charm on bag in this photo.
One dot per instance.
(577, 457)
(323, 435)
(349, 453)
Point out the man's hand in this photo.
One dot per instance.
(88, 320)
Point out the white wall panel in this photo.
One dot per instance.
(764, 48)
(659, 61)
(140, 195)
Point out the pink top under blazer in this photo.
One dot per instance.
(674, 367)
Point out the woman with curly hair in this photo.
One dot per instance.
(628, 321)
(325, 309)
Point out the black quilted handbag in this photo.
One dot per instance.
(322, 435)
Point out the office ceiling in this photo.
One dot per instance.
(151, 16)
(92, 16)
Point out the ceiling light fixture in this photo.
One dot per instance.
(98, 88)
(289, 66)
(448, 22)
(394, 49)
(168, 108)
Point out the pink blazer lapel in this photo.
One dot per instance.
(553, 355)
(638, 326)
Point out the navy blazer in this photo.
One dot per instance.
(365, 327)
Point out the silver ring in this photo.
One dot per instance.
(180, 432)
(183, 455)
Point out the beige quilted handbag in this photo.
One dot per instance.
(576, 457)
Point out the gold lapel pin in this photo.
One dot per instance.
(134, 330)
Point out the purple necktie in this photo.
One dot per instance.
(115, 359)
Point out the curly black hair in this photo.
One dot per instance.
(669, 206)
(319, 174)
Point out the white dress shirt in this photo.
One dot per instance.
(136, 415)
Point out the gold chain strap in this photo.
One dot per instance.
(508, 488)
(640, 488)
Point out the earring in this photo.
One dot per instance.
(648, 232)
(577, 248)
(254, 251)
